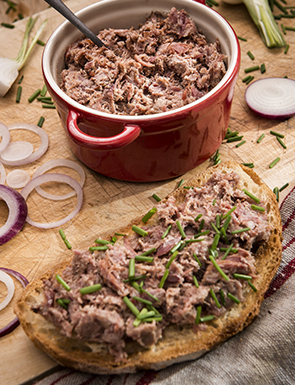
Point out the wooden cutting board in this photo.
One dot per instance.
(109, 203)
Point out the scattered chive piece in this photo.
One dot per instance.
(289, 28)
(207, 318)
(274, 162)
(198, 217)
(62, 303)
(136, 322)
(232, 250)
(67, 243)
(213, 253)
(283, 187)
(281, 8)
(234, 139)
(249, 80)
(226, 223)
(241, 230)
(180, 228)
(277, 134)
(218, 268)
(251, 56)
(241, 143)
(139, 231)
(223, 233)
(145, 301)
(197, 259)
(258, 208)
(202, 233)
(135, 278)
(214, 201)
(155, 318)
(283, 29)
(174, 255)
(215, 298)
(233, 298)
(281, 142)
(90, 289)
(131, 271)
(229, 212)
(262, 68)
(228, 250)
(166, 232)
(142, 258)
(62, 282)
(62, 234)
(198, 316)
(21, 79)
(155, 196)
(276, 192)
(145, 253)
(40, 42)
(47, 102)
(246, 78)
(176, 247)
(18, 94)
(218, 219)
(42, 98)
(215, 241)
(142, 315)
(120, 235)
(48, 106)
(242, 276)
(43, 91)
(98, 248)
(162, 282)
(34, 96)
(252, 286)
(215, 228)
(193, 240)
(196, 281)
(131, 306)
(241, 38)
(150, 295)
(260, 138)
(149, 214)
(222, 295)
(286, 49)
(251, 195)
(230, 134)
(250, 165)
(201, 225)
(102, 242)
(41, 121)
(8, 25)
(251, 69)
(187, 187)
(180, 183)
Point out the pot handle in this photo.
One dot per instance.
(201, 1)
(127, 136)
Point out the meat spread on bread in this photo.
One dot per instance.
(171, 286)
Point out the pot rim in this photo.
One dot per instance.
(203, 102)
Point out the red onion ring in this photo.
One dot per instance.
(36, 154)
(2, 174)
(4, 132)
(15, 322)
(18, 212)
(59, 163)
(8, 282)
(54, 178)
(16, 151)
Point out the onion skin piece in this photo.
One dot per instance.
(18, 211)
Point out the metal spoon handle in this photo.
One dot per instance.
(59, 6)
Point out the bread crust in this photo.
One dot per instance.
(179, 343)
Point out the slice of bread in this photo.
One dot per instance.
(179, 343)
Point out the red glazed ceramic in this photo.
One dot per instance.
(150, 147)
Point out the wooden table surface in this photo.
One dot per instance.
(108, 203)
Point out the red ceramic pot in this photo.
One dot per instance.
(150, 147)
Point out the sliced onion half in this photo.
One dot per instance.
(17, 178)
(17, 215)
(15, 322)
(2, 174)
(38, 180)
(272, 98)
(59, 163)
(36, 154)
(5, 134)
(8, 282)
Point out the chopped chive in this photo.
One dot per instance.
(67, 243)
(273, 163)
(43, 91)
(197, 259)
(131, 306)
(246, 78)
(262, 68)
(193, 240)
(229, 212)
(196, 281)
(162, 282)
(241, 143)
(98, 248)
(251, 195)
(252, 286)
(202, 233)
(102, 242)
(241, 276)
(148, 314)
(281, 8)
(135, 278)
(213, 253)
(139, 231)
(62, 303)
(286, 49)
(250, 165)
(198, 316)
(214, 228)
(277, 134)
(187, 187)
(223, 233)
(249, 80)
(222, 296)
(166, 232)
(207, 318)
(90, 289)
(136, 322)
(228, 250)
(40, 42)
(180, 228)
(150, 251)
(226, 223)
(62, 282)
(8, 25)
(131, 271)
(18, 94)
(176, 247)
(283, 187)
(145, 301)
(289, 28)
(150, 295)
(180, 183)
(251, 69)
(232, 250)
(201, 225)
(21, 79)
(234, 139)
(241, 230)
(230, 134)
(120, 235)
(251, 56)
(198, 217)
(276, 192)
(241, 38)
(281, 142)
(155, 196)
(42, 98)
(41, 121)
(258, 208)
(62, 234)
(260, 138)
(174, 255)
(46, 101)
(283, 28)
(215, 298)
(214, 201)
(48, 106)
(155, 318)
(34, 96)
(233, 298)
(218, 268)
(142, 258)
(215, 241)
(149, 214)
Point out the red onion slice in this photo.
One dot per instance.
(4, 132)
(16, 151)
(59, 163)
(18, 212)
(54, 178)
(15, 322)
(8, 282)
(36, 154)
(17, 178)
(2, 174)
